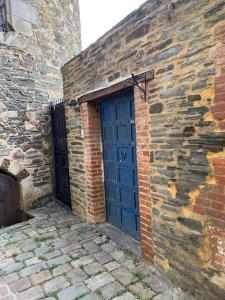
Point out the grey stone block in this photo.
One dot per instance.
(16, 40)
(28, 271)
(56, 284)
(21, 26)
(91, 247)
(13, 268)
(118, 255)
(99, 281)
(25, 11)
(31, 294)
(41, 251)
(143, 292)
(61, 269)
(93, 268)
(73, 292)
(124, 276)
(91, 296)
(156, 283)
(126, 296)
(6, 262)
(111, 290)
(102, 257)
(20, 285)
(85, 260)
(60, 260)
(76, 276)
(24, 256)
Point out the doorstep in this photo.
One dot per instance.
(121, 238)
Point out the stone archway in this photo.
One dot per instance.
(9, 200)
(23, 177)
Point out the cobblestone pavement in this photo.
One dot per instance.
(56, 256)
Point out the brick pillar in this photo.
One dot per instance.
(93, 163)
(143, 160)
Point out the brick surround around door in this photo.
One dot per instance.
(95, 193)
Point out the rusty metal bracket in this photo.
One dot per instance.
(140, 81)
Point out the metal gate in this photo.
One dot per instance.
(9, 200)
(120, 163)
(62, 180)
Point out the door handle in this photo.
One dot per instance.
(123, 155)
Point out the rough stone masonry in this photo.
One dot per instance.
(183, 41)
(41, 36)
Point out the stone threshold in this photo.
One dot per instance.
(120, 238)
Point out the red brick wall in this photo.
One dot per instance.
(93, 163)
(143, 159)
(217, 238)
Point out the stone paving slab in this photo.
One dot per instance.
(72, 292)
(112, 290)
(93, 268)
(125, 296)
(56, 256)
(124, 276)
(20, 285)
(99, 281)
(91, 296)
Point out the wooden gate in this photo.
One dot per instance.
(9, 200)
(62, 180)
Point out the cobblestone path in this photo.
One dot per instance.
(56, 256)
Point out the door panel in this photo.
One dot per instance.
(9, 200)
(120, 163)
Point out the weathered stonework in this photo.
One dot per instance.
(183, 41)
(41, 37)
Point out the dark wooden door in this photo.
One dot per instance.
(120, 163)
(62, 180)
(9, 200)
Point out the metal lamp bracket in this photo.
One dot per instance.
(140, 81)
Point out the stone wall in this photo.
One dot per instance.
(184, 42)
(42, 36)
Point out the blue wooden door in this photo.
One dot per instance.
(120, 163)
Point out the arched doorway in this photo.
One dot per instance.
(9, 200)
